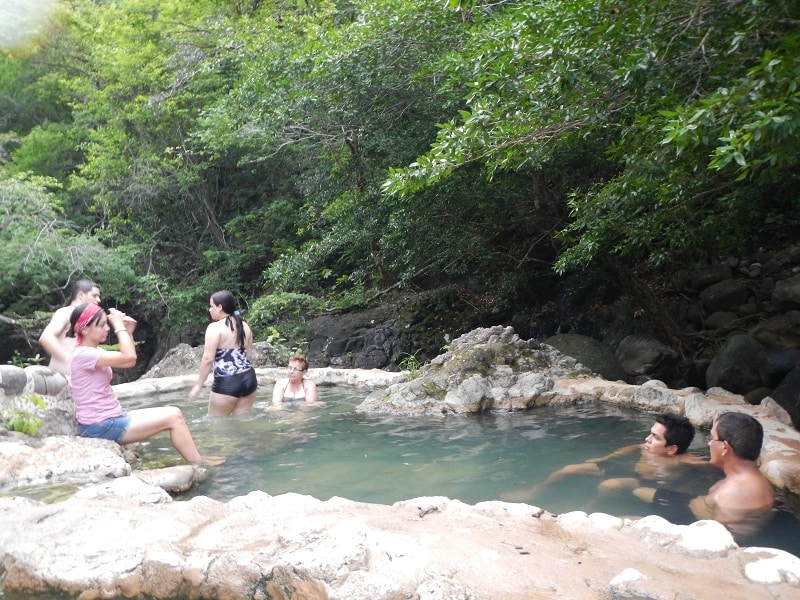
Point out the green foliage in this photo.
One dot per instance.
(21, 361)
(411, 364)
(40, 249)
(23, 421)
(549, 79)
(280, 318)
(323, 152)
(750, 127)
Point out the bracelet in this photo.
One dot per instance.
(120, 329)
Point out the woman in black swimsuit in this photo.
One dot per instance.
(295, 388)
(228, 348)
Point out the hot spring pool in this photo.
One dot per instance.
(330, 450)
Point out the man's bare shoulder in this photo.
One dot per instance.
(691, 459)
(59, 322)
(63, 313)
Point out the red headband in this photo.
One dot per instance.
(88, 313)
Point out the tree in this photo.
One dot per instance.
(656, 89)
(43, 255)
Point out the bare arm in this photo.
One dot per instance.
(278, 391)
(619, 452)
(51, 337)
(311, 392)
(124, 327)
(248, 342)
(209, 352)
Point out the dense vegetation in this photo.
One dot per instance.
(317, 153)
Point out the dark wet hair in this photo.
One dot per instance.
(678, 431)
(742, 432)
(82, 285)
(233, 319)
(76, 314)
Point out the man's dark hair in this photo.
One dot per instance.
(678, 431)
(743, 433)
(82, 285)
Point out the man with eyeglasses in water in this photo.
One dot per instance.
(744, 499)
(744, 494)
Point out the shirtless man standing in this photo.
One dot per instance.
(54, 338)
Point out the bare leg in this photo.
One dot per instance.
(528, 494)
(244, 405)
(220, 405)
(146, 422)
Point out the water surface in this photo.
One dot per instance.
(330, 450)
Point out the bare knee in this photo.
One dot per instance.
(175, 417)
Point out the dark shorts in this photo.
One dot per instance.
(111, 429)
(238, 385)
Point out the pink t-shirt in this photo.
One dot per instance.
(92, 395)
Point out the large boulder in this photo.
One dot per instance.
(184, 359)
(787, 292)
(734, 367)
(644, 357)
(781, 332)
(787, 394)
(590, 352)
(41, 393)
(725, 295)
(489, 368)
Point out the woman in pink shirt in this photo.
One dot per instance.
(97, 409)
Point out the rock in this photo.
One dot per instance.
(489, 368)
(12, 381)
(174, 480)
(643, 355)
(781, 332)
(702, 278)
(787, 292)
(364, 340)
(121, 541)
(757, 395)
(720, 319)
(774, 365)
(589, 352)
(734, 367)
(724, 296)
(55, 460)
(787, 394)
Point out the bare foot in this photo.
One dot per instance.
(211, 461)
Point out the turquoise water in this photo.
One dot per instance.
(330, 450)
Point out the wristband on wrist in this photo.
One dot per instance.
(120, 329)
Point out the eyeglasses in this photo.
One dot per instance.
(710, 439)
(294, 369)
